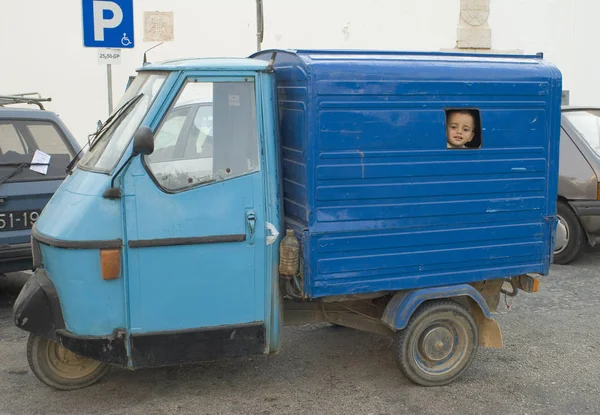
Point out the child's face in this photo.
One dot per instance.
(460, 129)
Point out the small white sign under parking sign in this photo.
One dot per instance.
(109, 56)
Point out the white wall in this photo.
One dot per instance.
(567, 31)
(42, 48)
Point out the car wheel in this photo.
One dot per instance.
(570, 236)
(59, 368)
(438, 344)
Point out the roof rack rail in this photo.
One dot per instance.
(33, 98)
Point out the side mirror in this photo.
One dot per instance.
(143, 141)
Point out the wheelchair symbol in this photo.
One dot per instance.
(125, 40)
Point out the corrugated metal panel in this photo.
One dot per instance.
(387, 205)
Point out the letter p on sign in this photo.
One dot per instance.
(108, 23)
(101, 23)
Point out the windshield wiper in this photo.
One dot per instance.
(112, 118)
(95, 137)
(18, 169)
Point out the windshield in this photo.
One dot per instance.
(108, 148)
(587, 123)
(19, 142)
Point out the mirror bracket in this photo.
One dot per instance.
(143, 143)
(112, 193)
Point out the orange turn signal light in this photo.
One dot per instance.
(110, 259)
(528, 283)
(535, 285)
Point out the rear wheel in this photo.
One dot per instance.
(60, 368)
(570, 237)
(438, 344)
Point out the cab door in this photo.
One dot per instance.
(195, 225)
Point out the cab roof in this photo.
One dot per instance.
(209, 64)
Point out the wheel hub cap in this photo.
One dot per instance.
(562, 235)
(437, 343)
(68, 364)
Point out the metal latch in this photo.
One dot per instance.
(251, 220)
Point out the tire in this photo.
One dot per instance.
(438, 344)
(576, 238)
(59, 368)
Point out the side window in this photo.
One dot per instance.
(463, 129)
(13, 148)
(208, 135)
(203, 124)
(166, 139)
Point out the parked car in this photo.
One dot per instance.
(23, 191)
(579, 189)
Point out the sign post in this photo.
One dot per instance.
(108, 25)
(109, 57)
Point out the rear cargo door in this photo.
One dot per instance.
(24, 192)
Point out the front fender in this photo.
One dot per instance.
(403, 304)
(37, 308)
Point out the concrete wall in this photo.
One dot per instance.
(42, 48)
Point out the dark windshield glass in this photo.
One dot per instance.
(108, 150)
(19, 141)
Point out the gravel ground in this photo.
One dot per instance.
(549, 365)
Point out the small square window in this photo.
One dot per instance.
(463, 128)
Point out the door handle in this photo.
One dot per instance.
(251, 221)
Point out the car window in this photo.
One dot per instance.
(11, 141)
(587, 124)
(19, 140)
(165, 139)
(203, 123)
(217, 140)
(169, 132)
(47, 138)
(104, 155)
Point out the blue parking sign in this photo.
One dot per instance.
(108, 23)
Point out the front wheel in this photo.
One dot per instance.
(60, 368)
(438, 344)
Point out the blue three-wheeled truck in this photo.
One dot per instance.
(395, 193)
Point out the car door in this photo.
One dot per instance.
(195, 228)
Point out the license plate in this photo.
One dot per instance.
(18, 219)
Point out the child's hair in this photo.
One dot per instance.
(476, 141)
